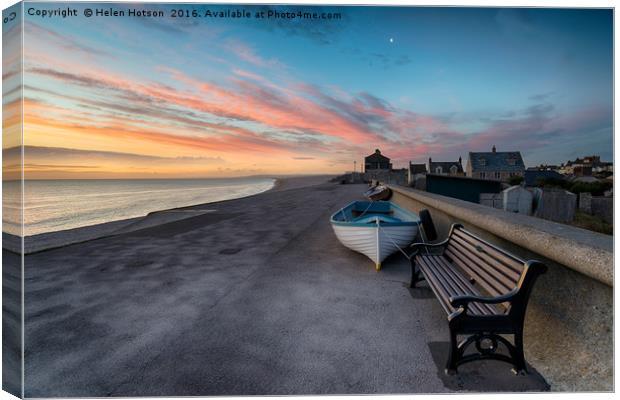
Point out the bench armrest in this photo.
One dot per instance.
(417, 246)
(463, 301)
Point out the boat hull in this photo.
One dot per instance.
(376, 240)
(378, 193)
(376, 243)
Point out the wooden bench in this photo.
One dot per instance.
(483, 289)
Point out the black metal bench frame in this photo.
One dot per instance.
(483, 330)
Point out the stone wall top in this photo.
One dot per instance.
(584, 251)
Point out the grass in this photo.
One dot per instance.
(592, 223)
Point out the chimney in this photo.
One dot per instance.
(377, 151)
(460, 160)
(494, 149)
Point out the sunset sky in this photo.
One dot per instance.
(110, 97)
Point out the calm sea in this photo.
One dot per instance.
(54, 205)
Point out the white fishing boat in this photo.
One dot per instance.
(379, 192)
(375, 229)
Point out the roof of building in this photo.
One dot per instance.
(544, 167)
(417, 168)
(496, 161)
(376, 157)
(532, 176)
(445, 166)
(586, 179)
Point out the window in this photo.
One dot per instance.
(438, 170)
(483, 162)
(512, 161)
(498, 175)
(453, 170)
(482, 175)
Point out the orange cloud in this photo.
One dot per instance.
(245, 114)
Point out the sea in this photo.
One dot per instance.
(56, 205)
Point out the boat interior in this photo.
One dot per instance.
(372, 211)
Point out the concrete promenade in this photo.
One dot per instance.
(256, 296)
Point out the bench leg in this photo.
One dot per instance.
(517, 356)
(453, 357)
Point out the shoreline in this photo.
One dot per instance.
(56, 239)
(276, 183)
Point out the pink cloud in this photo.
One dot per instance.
(348, 121)
(305, 118)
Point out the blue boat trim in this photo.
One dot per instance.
(372, 218)
(373, 210)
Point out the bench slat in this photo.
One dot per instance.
(449, 268)
(473, 271)
(509, 267)
(499, 281)
(440, 291)
(445, 282)
(460, 285)
(511, 262)
(441, 276)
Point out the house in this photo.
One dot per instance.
(544, 167)
(378, 167)
(495, 165)
(415, 170)
(592, 160)
(586, 166)
(566, 169)
(377, 161)
(582, 170)
(603, 167)
(579, 167)
(452, 168)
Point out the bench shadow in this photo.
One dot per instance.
(485, 375)
(420, 292)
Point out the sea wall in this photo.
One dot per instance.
(569, 323)
(395, 176)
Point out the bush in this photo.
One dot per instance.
(592, 223)
(515, 180)
(596, 188)
(552, 183)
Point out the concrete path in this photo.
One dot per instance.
(257, 297)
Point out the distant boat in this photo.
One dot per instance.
(379, 192)
(375, 229)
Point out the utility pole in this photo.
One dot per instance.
(354, 166)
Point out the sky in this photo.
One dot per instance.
(129, 97)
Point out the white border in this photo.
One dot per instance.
(478, 3)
